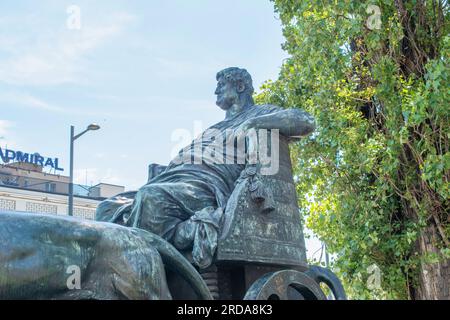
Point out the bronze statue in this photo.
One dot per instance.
(219, 203)
(39, 253)
(184, 203)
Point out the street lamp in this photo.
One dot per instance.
(73, 137)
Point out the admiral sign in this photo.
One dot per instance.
(8, 155)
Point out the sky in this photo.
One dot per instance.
(140, 69)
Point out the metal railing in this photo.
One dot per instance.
(49, 186)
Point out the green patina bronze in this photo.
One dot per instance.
(219, 221)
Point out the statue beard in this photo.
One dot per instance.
(226, 103)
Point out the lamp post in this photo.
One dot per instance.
(73, 137)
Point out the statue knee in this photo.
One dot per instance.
(148, 194)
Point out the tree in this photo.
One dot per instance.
(373, 181)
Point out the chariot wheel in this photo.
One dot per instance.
(285, 285)
(326, 276)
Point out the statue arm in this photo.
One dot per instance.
(290, 122)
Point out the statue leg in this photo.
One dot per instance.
(165, 209)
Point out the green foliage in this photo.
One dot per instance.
(376, 171)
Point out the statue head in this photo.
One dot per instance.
(234, 86)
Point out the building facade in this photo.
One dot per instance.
(26, 187)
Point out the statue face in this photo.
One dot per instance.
(227, 94)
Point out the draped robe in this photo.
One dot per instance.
(189, 189)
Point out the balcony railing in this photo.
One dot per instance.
(49, 186)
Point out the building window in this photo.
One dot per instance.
(50, 187)
(41, 208)
(7, 205)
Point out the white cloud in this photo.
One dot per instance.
(26, 100)
(93, 176)
(86, 176)
(5, 139)
(55, 58)
(173, 68)
(111, 177)
(4, 126)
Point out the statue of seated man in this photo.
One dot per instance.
(185, 202)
